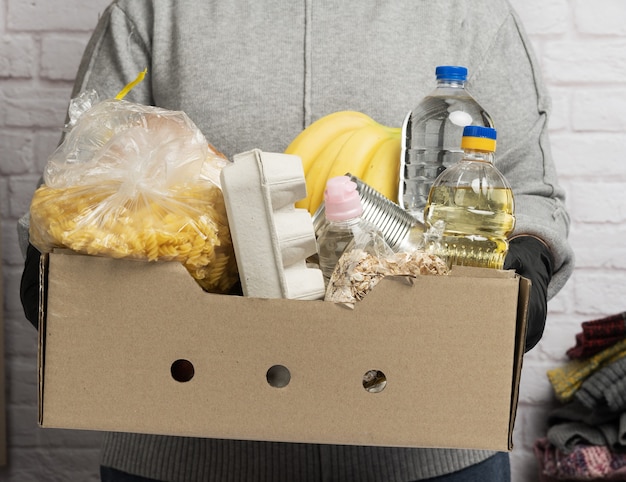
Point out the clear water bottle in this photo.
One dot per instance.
(345, 228)
(475, 202)
(432, 136)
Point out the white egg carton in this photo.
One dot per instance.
(272, 239)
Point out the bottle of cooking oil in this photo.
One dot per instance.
(475, 203)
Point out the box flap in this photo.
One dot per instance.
(520, 344)
(119, 331)
(473, 272)
(41, 345)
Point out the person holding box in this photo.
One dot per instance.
(254, 75)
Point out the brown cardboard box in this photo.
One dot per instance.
(114, 334)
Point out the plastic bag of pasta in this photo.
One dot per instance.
(135, 181)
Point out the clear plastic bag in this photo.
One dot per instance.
(136, 181)
(360, 269)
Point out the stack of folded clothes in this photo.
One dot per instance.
(586, 437)
(596, 335)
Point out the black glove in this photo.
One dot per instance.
(532, 259)
(29, 287)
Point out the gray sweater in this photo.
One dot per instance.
(253, 75)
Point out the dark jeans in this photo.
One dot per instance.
(107, 474)
(494, 469)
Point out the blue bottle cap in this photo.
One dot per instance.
(479, 131)
(451, 72)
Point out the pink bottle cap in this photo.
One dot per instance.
(342, 200)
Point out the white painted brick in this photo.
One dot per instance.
(21, 380)
(12, 276)
(543, 17)
(601, 110)
(600, 17)
(589, 155)
(11, 253)
(603, 291)
(49, 15)
(4, 198)
(28, 433)
(523, 465)
(562, 302)
(34, 107)
(532, 424)
(600, 246)
(558, 337)
(16, 56)
(535, 387)
(560, 115)
(20, 336)
(40, 464)
(21, 189)
(60, 56)
(16, 152)
(598, 202)
(582, 61)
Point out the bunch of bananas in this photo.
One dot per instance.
(347, 142)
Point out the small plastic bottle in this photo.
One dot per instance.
(401, 231)
(432, 136)
(475, 203)
(344, 225)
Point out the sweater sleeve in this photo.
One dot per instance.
(509, 85)
(118, 50)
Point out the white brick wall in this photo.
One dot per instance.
(580, 45)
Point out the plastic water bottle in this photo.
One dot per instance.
(432, 136)
(475, 202)
(344, 227)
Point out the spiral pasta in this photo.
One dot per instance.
(188, 225)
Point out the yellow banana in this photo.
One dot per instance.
(342, 142)
(382, 173)
(353, 157)
(312, 140)
(319, 168)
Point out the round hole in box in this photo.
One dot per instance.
(374, 381)
(182, 370)
(278, 376)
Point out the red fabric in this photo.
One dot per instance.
(597, 335)
(585, 462)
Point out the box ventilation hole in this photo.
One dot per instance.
(278, 376)
(182, 370)
(374, 381)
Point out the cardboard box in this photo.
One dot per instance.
(119, 339)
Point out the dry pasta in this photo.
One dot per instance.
(188, 225)
(136, 181)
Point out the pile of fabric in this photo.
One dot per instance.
(586, 436)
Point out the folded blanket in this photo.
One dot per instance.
(605, 389)
(566, 436)
(598, 335)
(566, 380)
(585, 462)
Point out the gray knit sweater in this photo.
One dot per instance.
(253, 75)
